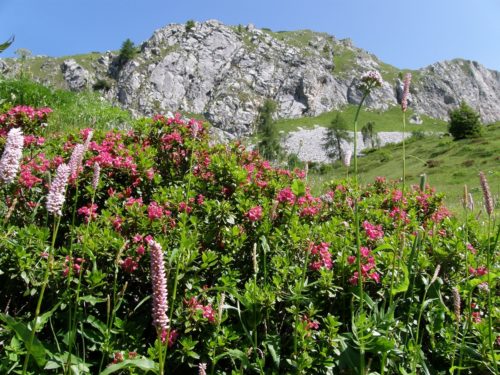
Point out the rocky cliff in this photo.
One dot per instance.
(226, 73)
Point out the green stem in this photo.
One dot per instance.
(355, 140)
(490, 307)
(417, 343)
(42, 292)
(302, 281)
(404, 151)
(356, 220)
(469, 295)
(161, 358)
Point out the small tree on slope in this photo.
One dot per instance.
(464, 122)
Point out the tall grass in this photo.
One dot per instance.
(71, 110)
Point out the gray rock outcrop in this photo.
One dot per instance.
(227, 73)
(76, 77)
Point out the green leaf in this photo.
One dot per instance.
(142, 363)
(402, 286)
(235, 354)
(36, 349)
(92, 300)
(298, 188)
(7, 44)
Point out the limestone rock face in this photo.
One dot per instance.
(76, 77)
(227, 72)
(445, 84)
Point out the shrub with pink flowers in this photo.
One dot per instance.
(162, 253)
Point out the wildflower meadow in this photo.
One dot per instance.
(150, 250)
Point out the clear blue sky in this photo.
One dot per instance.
(407, 34)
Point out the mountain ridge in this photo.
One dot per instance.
(227, 72)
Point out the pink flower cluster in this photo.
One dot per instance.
(112, 153)
(321, 256)
(406, 92)
(370, 80)
(75, 264)
(56, 196)
(374, 232)
(159, 283)
(255, 213)
(89, 212)
(18, 116)
(310, 206)
(11, 157)
(207, 310)
(441, 214)
(479, 271)
(399, 215)
(286, 196)
(367, 266)
(309, 324)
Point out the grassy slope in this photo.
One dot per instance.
(456, 163)
(390, 120)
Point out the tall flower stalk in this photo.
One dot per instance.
(488, 203)
(467, 205)
(11, 157)
(404, 107)
(369, 81)
(160, 305)
(55, 201)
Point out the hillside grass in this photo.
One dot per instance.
(390, 120)
(448, 165)
(71, 110)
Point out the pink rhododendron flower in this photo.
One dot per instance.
(286, 196)
(255, 213)
(155, 211)
(374, 232)
(89, 212)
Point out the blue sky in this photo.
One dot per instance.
(407, 34)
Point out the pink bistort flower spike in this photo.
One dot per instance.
(96, 176)
(75, 161)
(55, 198)
(488, 200)
(202, 367)
(406, 92)
(159, 283)
(11, 157)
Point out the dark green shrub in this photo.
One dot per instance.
(468, 163)
(127, 52)
(464, 122)
(336, 134)
(432, 163)
(102, 84)
(269, 145)
(190, 26)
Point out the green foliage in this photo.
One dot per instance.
(370, 138)
(261, 274)
(450, 156)
(127, 52)
(190, 26)
(72, 110)
(389, 120)
(464, 122)
(102, 85)
(336, 134)
(269, 144)
(6, 44)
